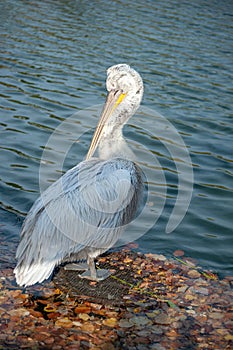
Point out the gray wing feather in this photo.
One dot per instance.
(87, 207)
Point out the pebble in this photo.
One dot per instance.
(158, 347)
(194, 274)
(228, 337)
(88, 327)
(82, 309)
(2, 310)
(182, 289)
(191, 312)
(178, 253)
(110, 322)
(64, 322)
(19, 312)
(83, 317)
(222, 331)
(172, 333)
(156, 330)
(199, 290)
(152, 314)
(35, 313)
(201, 282)
(49, 340)
(163, 319)
(216, 315)
(125, 323)
(190, 297)
(157, 257)
(140, 321)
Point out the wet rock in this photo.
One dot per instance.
(182, 289)
(178, 253)
(88, 327)
(199, 290)
(159, 257)
(216, 315)
(110, 322)
(64, 322)
(158, 347)
(83, 317)
(125, 324)
(82, 309)
(140, 321)
(19, 312)
(163, 319)
(193, 274)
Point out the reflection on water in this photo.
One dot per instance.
(53, 64)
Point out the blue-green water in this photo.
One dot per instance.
(53, 64)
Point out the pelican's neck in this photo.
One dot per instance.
(113, 144)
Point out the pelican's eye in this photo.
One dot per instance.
(111, 86)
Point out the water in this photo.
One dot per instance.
(54, 58)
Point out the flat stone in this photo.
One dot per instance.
(194, 274)
(216, 315)
(156, 330)
(228, 337)
(19, 312)
(110, 322)
(163, 319)
(157, 347)
(199, 290)
(64, 322)
(158, 257)
(140, 321)
(178, 253)
(182, 289)
(125, 324)
(84, 317)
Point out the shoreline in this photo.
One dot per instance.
(153, 302)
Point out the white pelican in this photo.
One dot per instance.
(83, 214)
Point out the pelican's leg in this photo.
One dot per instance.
(93, 274)
(76, 267)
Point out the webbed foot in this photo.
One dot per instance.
(99, 275)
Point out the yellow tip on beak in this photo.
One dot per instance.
(119, 100)
(113, 100)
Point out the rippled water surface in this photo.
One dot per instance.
(53, 64)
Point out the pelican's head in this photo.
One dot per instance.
(125, 90)
(124, 81)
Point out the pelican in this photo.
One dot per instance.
(83, 214)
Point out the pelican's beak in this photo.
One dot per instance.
(114, 98)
